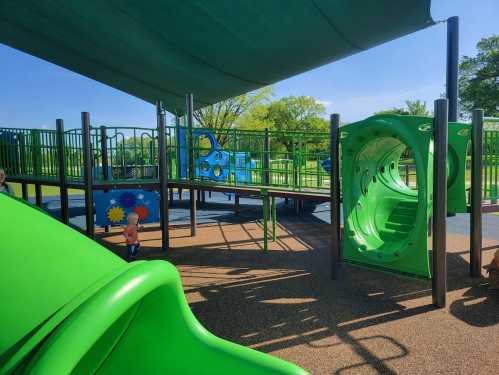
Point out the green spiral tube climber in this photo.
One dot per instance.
(385, 220)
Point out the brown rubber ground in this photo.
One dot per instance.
(284, 303)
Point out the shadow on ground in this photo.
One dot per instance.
(280, 300)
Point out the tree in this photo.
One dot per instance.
(417, 108)
(295, 113)
(224, 114)
(413, 107)
(479, 79)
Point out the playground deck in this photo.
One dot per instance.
(283, 302)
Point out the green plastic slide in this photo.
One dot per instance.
(69, 306)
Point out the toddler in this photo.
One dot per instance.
(131, 234)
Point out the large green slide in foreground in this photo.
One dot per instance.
(69, 306)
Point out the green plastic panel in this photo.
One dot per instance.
(71, 306)
(459, 139)
(385, 220)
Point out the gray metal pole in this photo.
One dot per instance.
(104, 153)
(87, 174)
(266, 158)
(476, 193)
(25, 195)
(439, 279)
(192, 195)
(177, 140)
(335, 194)
(104, 159)
(266, 176)
(61, 156)
(38, 195)
(236, 203)
(163, 176)
(452, 66)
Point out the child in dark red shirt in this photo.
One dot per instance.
(131, 234)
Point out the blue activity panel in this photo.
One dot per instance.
(112, 207)
(216, 165)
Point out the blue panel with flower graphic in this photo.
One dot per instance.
(112, 207)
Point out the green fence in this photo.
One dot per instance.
(293, 160)
(491, 159)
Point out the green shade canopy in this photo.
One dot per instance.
(163, 49)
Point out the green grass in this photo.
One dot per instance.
(46, 190)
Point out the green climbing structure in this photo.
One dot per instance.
(385, 220)
(459, 139)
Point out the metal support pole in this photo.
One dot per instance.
(265, 203)
(452, 66)
(25, 194)
(87, 174)
(177, 141)
(440, 134)
(38, 195)
(192, 195)
(61, 156)
(104, 153)
(104, 160)
(266, 158)
(163, 176)
(236, 203)
(476, 193)
(266, 182)
(334, 156)
(274, 219)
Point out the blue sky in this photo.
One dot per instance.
(33, 93)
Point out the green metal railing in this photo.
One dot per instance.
(294, 159)
(491, 159)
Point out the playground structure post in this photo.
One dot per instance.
(476, 193)
(266, 182)
(335, 194)
(163, 176)
(38, 195)
(266, 157)
(61, 158)
(274, 219)
(24, 188)
(440, 136)
(452, 66)
(192, 194)
(236, 203)
(177, 140)
(87, 173)
(104, 159)
(265, 202)
(37, 165)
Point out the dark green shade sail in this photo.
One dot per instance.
(215, 49)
